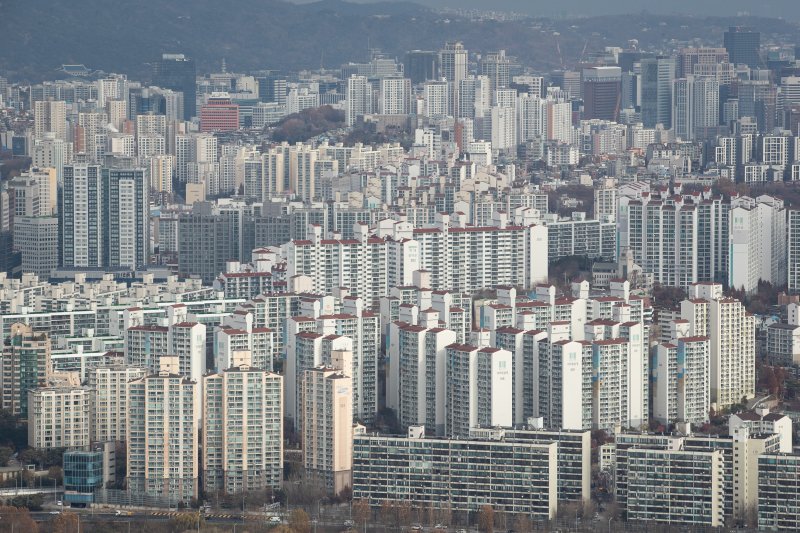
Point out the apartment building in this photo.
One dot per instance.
(24, 366)
(327, 428)
(441, 472)
(162, 443)
(58, 417)
(110, 387)
(242, 429)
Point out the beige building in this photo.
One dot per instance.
(327, 429)
(109, 408)
(242, 429)
(58, 417)
(163, 434)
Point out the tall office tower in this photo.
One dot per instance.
(695, 109)
(569, 81)
(109, 407)
(743, 46)
(219, 114)
(126, 217)
(395, 96)
(242, 430)
(758, 242)
(50, 116)
(35, 223)
(81, 211)
(793, 251)
(657, 77)
(24, 366)
(358, 99)
(58, 417)
(327, 429)
(602, 93)
(759, 99)
(177, 72)
(731, 331)
(453, 67)
(690, 58)
(208, 238)
(163, 408)
(474, 97)
(681, 382)
(421, 65)
(497, 67)
(479, 389)
(437, 99)
(416, 375)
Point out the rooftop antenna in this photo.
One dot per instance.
(224, 66)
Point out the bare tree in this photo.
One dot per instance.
(361, 511)
(486, 519)
(522, 524)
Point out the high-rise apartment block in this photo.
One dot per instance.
(110, 395)
(58, 417)
(327, 428)
(25, 366)
(163, 434)
(242, 430)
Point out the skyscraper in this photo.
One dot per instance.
(497, 66)
(602, 93)
(743, 45)
(163, 408)
(657, 76)
(179, 73)
(695, 108)
(359, 98)
(126, 217)
(327, 429)
(81, 211)
(219, 114)
(421, 65)
(242, 430)
(453, 62)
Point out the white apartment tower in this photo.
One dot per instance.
(758, 242)
(479, 389)
(359, 98)
(110, 393)
(58, 417)
(242, 430)
(163, 434)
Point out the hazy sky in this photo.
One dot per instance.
(789, 9)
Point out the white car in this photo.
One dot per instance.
(275, 520)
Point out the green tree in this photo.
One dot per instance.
(5, 454)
